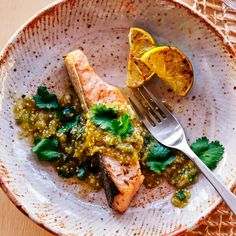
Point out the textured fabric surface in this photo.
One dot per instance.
(221, 15)
(222, 222)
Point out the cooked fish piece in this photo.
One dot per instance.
(121, 182)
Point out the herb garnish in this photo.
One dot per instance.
(123, 126)
(46, 149)
(69, 126)
(107, 119)
(159, 157)
(180, 194)
(82, 172)
(44, 99)
(102, 116)
(66, 114)
(209, 152)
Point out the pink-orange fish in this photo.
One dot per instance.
(121, 182)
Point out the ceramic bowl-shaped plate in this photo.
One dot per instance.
(100, 29)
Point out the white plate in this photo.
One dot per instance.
(35, 55)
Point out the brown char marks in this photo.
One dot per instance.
(109, 187)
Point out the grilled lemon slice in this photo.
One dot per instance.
(172, 66)
(140, 41)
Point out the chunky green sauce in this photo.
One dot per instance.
(180, 198)
(79, 146)
(38, 124)
(104, 142)
(80, 140)
(180, 174)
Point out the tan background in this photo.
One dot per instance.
(13, 13)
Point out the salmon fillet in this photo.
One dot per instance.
(121, 182)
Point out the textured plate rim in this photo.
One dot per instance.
(5, 53)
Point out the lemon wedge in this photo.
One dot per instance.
(171, 66)
(140, 41)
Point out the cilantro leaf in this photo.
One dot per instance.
(40, 145)
(46, 143)
(82, 172)
(156, 150)
(102, 116)
(158, 166)
(107, 119)
(46, 149)
(48, 155)
(69, 126)
(200, 145)
(180, 194)
(66, 114)
(147, 139)
(44, 99)
(159, 157)
(210, 153)
(122, 127)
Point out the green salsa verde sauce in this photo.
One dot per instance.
(79, 147)
(104, 142)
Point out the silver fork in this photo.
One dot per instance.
(167, 130)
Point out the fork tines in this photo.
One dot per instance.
(148, 106)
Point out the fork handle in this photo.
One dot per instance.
(227, 195)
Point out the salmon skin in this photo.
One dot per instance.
(121, 182)
(109, 186)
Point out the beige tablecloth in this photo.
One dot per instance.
(222, 16)
(16, 12)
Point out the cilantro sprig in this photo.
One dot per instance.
(102, 116)
(122, 126)
(209, 152)
(69, 126)
(44, 99)
(180, 195)
(46, 149)
(107, 119)
(67, 115)
(159, 157)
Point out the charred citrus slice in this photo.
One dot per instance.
(172, 66)
(140, 41)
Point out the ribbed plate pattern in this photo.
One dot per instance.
(35, 56)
